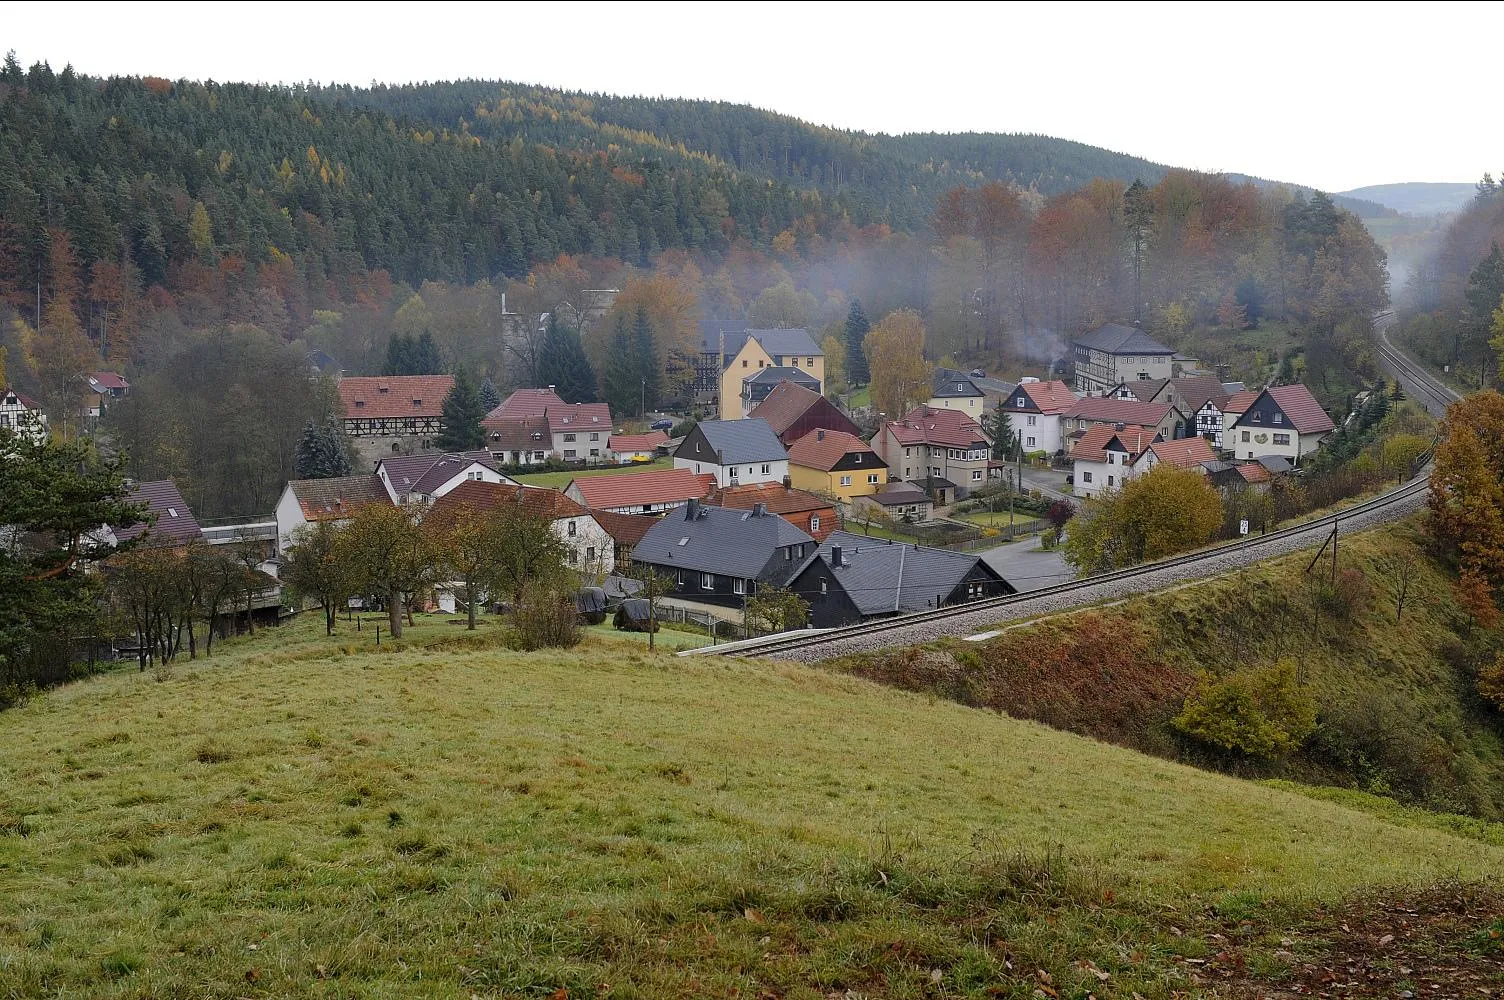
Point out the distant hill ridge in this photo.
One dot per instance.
(1418, 197)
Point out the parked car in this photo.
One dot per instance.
(666, 424)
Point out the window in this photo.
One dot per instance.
(906, 453)
(707, 581)
(872, 479)
(745, 362)
(472, 475)
(845, 480)
(814, 523)
(573, 529)
(595, 453)
(1019, 401)
(824, 587)
(595, 435)
(1109, 481)
(1032, 421)
(1111, 459)
(569, 453)
(569, 438)
(590, 553)
(976, 475)
(1245, 436)
(679, 578)
(766, 469)
(762, 364)
(573, 557)
(858, 459)
(810, 362)
(1279, 418)
(1031, 443)
(1281, 439)
(906, 472)
(738, 586)
(796, 362)
(1258, 417)
(1086, 477)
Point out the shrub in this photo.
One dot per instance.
(546, 619)
(1260, 712)
(1491, 682)
(1346, 597)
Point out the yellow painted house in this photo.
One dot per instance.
(745, 376)
(836, 464)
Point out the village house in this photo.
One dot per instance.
(1199, 397)
(625, 449)
(626, 530)
(1283, 421)
(22, 415)
(793, 411)
(836, 463)
(394, 406)
(814, 515)
(972, 392)
(425, 478)
(652, 491)
(851, 578)
(1113, 353)
(1103, 458)
(104, 389)
(718, 556)
(170, 522)
(306, 501)
(742, 355)
(518, 441)
(944, 451)
(1034, 409)
(756, 388)
(579, 431)
(1096, 411)
(588, 547)
(1192, 453)
(735, 452)
(902, 503)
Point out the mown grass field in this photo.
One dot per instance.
(559, 480)
(450, 820)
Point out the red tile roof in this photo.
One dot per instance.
(25, 400)
(394, 395)
(631, 489)
(1254, 472)
(1053, 396)
(626, 529)
(174, 524)
(479, 496)
(1092, 446)
(822, 449)
(926, 425)
(526, 403)
(578, 417)
(109, 380)
(787, 402)
(1184, 453)
(1239, 402)
(338, 498)
(517, 433)
(637, 442)
(779, 498)
(1119, 411)
(1306, 415)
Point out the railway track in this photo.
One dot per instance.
(965, 620)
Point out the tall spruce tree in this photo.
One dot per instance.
(399, 355)
(562, 364)
(1138, 229)
(490, 397)
(622, 387)
(426, 357)
(649, 369)
(463, 413)
(323, 451)
(857, 328)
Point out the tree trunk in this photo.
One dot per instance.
(394, 614)
(192, 641)
(470, 599)
(328, 617)
(250, 623)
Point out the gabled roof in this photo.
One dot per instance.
(1184, 453)
(654, 486)
(637, 442)
(1198, 390)
(779, 499)
(1118, 411)
(624, 529)
(1053, 396)
(788, 401)
(822, 449)
(526, 403)
(421, 475)
(482, 497)
(1240, 401)
(775, 374)
(1297, 403)
(1115, 338)
(884, 577)
(517, 433)
(1144, 390)
(931, 426)
(337, 498)
(174, 524)
(1254, 472)
(952, 383)
(735, 543)
(713, 330)
(109, 380)
(787, 343)
(24, 400)
(899, 495)
(1102, 438)
(567, 417)
(378, 396)
(738, 442)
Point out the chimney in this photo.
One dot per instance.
(788, 483)
(835, 555)
(551, 388)
(759, 510)
(1119, 427)
(820, 434)
(691, 509)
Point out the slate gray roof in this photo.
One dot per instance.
(1115, 338)
(884, 577)
(174, 524)
(947, 379)
(789, 342)
(731, 542)
(772, 376)
(711, 331)
(738, 442)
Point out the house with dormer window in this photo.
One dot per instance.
(735, 452)
(394, 405)
(1282, 420)
(1034, 409)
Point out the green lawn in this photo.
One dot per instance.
(559, 480)
(292, 819)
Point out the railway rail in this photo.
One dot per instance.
(965, 620)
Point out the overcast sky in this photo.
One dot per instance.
(1335, 97)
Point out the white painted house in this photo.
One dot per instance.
(1103, 458)
(1282, 420)
(305, 501)
(735, 452)
(21, 414)
(425, 478)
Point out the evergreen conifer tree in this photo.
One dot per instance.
(857, 328)
(621, 379)
(490, 398)
(463, 413)
(649, 369)
(323, 452)
(399, 355)
(562, 364)
(426, 357)
(310, 456)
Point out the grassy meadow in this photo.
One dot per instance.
(559, 480)
(303, 816)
